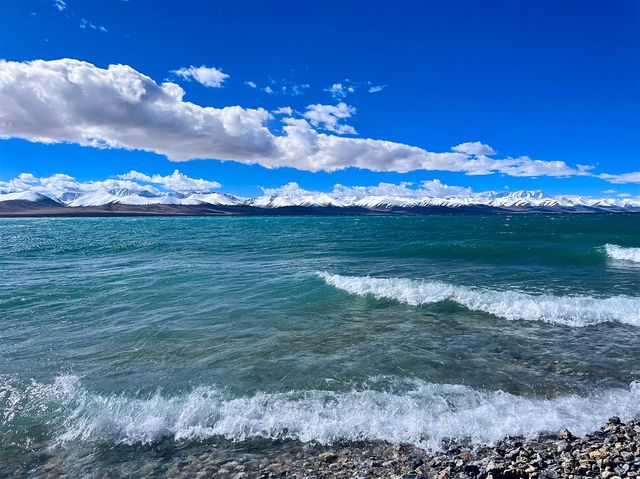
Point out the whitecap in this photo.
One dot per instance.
(389, 409)
(622, 253)
(511, 305)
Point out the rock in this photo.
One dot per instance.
(146, 469)
(328, 457)
(471, 469)
(614, 420)
(466, 456)
(511, 455)
(565, 434)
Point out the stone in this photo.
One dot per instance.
(328, 457)
(565, 434)
(146, 469)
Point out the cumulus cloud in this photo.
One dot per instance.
(631, 177)
(268, 90)
(60, 183)
(118, 107)
(174, 182)
(474, 148)
(73, 101)
(432, 188)
(207, 76)
(251, 84)
(60, 4)
(328, 117)
(283, 110)
(429, 188)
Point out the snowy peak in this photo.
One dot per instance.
(30, 196)
(513, 201)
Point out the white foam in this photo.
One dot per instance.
(511, 305)
(387, 409)
(622, 253)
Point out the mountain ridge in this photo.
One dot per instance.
(122, 202)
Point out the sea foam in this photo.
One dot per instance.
(511, 305)
(384, 408)
(622, 253)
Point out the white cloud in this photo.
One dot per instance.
(84, 23)
(295, 89)
(268, 90)
(631, 177)
(610, 191)
(207, 76)
(72, 101)
(251, 84)
(474, 148)
(339, 90)
(283, 110)
(60, 4)
(376, 88)
(437, 188)
(175, 182)
(56, 185)
(431, 188)
(328, 117)
(117, 107)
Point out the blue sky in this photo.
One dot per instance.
(550, 80)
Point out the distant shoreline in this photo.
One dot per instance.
(17, 209)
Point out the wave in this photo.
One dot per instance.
(383, 408)
(511, 305)
(622, 253)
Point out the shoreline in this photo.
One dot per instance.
(612, 452)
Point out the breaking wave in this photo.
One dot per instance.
(511, 305)
(622, 253)
(383, 408)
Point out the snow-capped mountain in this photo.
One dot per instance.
(514, 201)
(27, 197)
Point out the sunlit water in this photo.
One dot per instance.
(124, 340)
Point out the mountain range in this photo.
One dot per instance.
(127, 202)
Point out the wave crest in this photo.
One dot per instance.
(511, 305)
(389, 409)
(622, 253)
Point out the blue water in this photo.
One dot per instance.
(120, 334)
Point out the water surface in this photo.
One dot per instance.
(138, 334)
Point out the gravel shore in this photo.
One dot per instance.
(612, 452)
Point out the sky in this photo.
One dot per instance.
(487, 95)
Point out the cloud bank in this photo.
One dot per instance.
(429, 188)
(118, 107)
(60, 183)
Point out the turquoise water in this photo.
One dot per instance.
(120, 334)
